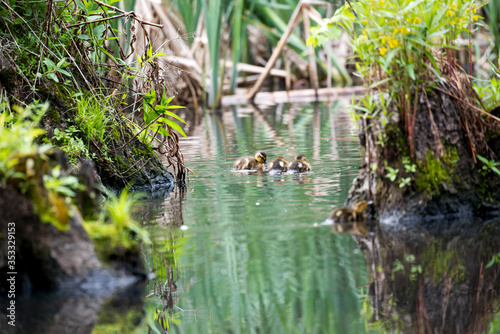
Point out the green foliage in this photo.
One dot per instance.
(64, 185)
(93, 116)
(392, 173)
(155, 116)
(52, 70)
(494, 260)
(214, 11)
(18, 133)
(116, 226)
(24, 165)
(489, 94)
(494, 326)
(492, 10)
(396, 43)
(68, 141)
(488, 165)
(395, 39)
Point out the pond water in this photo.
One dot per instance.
(251, 257)
(246, 252)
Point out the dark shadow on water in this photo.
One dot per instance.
(433, 277)
(75, 312)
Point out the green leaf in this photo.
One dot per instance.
(493, 168)
(52, 76)
(64, 72)
(175, 126)
(99, 30)
(50, 64)
(492, 262)
(411, 71)
(83, 36)
(168, 113)
(482, 159)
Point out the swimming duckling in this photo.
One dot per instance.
(299, 165)
(350, 215)
(248, 163)
(278, 165)
(358, 228)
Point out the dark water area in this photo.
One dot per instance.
(241, 252)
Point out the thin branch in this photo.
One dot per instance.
(130, 14)
(96, 21)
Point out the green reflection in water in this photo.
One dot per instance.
(252, 259)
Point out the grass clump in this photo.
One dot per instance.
(93, 116)
(116, 228)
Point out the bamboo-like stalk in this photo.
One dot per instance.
(312, 55)
(291, 24)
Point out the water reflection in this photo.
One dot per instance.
(433, 278)
(251, 259)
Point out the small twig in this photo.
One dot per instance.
(130, 14)
(95, 21)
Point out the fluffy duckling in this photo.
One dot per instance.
(299, 165)
(278, 165)
(248, 163)
(359, 228)
(350, 215)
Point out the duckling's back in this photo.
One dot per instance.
(344, 215)
(278, 165)
(299, 166)
(247, 163)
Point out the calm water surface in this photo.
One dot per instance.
(246, 253)
(250, 257)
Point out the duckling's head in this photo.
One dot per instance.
(261, 157)
(360, 206)
(300, 157)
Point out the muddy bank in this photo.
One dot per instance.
(444, 176)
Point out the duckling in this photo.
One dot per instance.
(299, 165)
(248, 163)
(359, 228)
(278, 165)
(350, 215)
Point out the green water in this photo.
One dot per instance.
(250, 257)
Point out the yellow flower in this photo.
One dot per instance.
(474, 10)
(449, 13)
(475, 17)
(384, 39)
(364, 33)
(383, 51)
(365, 22)
(393, 43)
(381, 3)
(453, 22)
(467, 10)
(404, 30)
(454, 5)
(417, 20)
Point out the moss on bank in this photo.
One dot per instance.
(435, 174)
